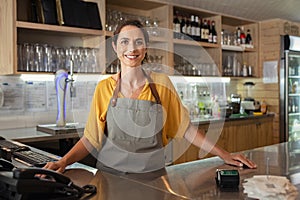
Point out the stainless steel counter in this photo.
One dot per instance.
(25, 135)
(193, 180)
(31, 134)
(199, 121)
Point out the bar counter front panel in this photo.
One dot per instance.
(192, 180)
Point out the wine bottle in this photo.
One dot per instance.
(183, 27)
(210, 38)
(249, 38)
(243, 36)
(176, 26)
(198, 34)
(188, 28)
(204, 31)
(238, 36)
(193, 27)
(214, 32)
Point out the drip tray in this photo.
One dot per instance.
(55, 130)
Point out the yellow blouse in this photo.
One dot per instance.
(176, 116)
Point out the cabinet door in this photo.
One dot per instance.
(19, 30)
(7, 36)
(265, 132)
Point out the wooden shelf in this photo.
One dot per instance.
(240, 77)
(60, 29)
(195, 43)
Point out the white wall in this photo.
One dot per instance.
(31, 100)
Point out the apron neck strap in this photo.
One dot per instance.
(151, 85)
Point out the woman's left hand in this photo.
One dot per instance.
(238, 160)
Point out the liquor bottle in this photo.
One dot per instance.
(249, 38)
(188, 28)
(183, 27)
(193, 27)
(243, 36)
(204, 31)
(210, 38)
(214, 32)
(238, 36)
(198, 29)
(222, 37)
(176, 26)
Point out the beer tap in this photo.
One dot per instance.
(71, 80)
(61, 81)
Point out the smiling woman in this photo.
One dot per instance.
(135, 113)
(130, 44)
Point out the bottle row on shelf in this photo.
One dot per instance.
(232, 67)
(237, 37)
(294, 71)
(293, 105)
(186, 26)
(238, 70)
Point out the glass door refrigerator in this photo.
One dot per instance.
(290, 89)
(290, 104)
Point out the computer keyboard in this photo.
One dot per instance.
(24, 154)
(32, 158)
(9, 145)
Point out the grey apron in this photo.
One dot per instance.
(133, 141)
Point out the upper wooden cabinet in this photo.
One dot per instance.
(243, 54)
(17, 30)
(21, 31)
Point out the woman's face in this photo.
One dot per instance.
(130, 46)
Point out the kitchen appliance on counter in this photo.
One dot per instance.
(235, 103)
(249, 104)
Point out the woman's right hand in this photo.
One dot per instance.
(58, 166)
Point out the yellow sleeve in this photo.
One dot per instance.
(95, 125)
